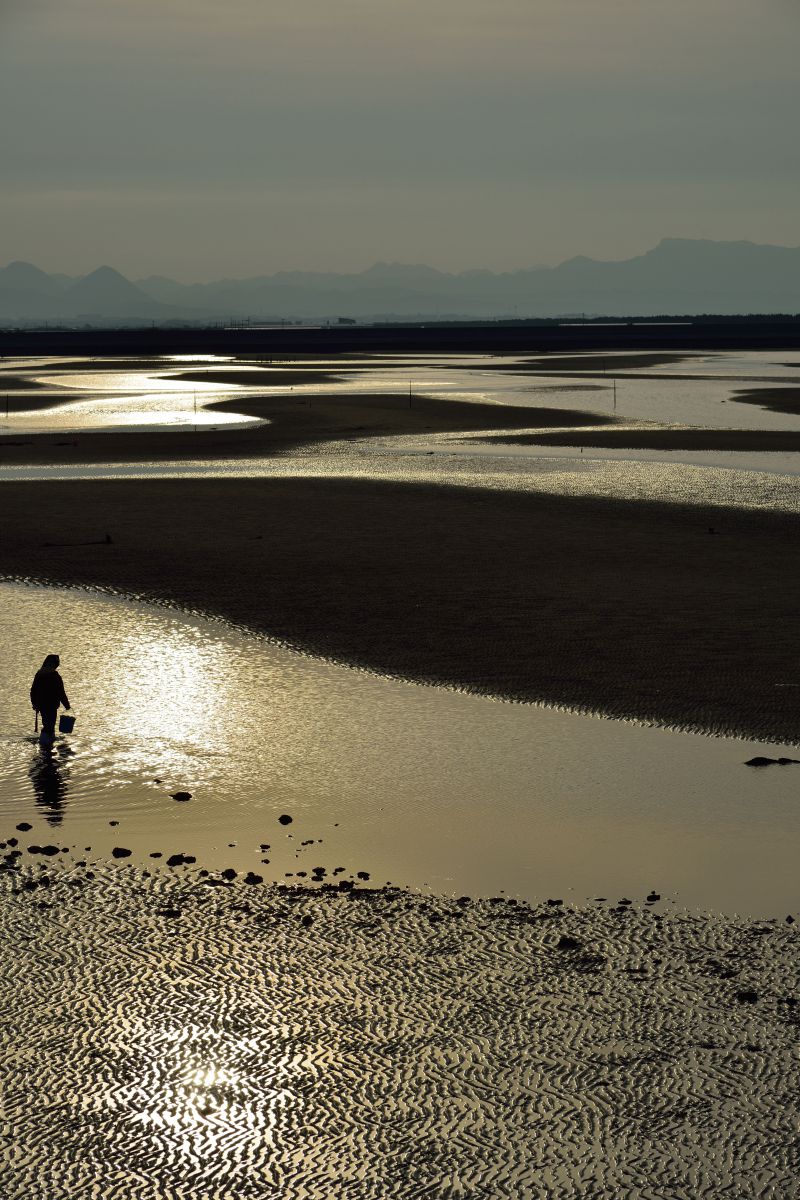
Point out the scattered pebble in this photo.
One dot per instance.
(181, 796)
(24, 826)
(121, 852)
(284, 819)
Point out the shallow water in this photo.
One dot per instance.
(422, 786)
(697, 390)
(707, 483)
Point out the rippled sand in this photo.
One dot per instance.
(167, 1038)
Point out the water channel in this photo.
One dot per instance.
(418, 785)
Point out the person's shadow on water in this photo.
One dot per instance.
(48, 773)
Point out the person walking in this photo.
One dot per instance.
(47, 693)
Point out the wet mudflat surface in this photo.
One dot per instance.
(203, 1000)
(185, 1036)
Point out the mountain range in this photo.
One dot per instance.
(676, 276)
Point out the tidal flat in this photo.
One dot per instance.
(179, 1031)
(173, 1034)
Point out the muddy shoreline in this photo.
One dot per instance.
(671, 614)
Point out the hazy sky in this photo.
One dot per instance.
(236, 137)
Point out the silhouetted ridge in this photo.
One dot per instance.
(679, 275)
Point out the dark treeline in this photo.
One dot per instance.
(510, 337)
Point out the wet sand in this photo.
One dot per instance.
(659, 437)
(779, 400)
(171, 1038)
(625, 608)
(293, 421)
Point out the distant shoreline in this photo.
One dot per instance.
(688, 334)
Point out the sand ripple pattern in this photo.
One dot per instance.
(169, 1040)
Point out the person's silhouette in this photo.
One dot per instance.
(47, 693)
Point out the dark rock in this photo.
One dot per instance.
(624, 902)
(285, 820)
(121, 852)
(362, 874)
(30, 885)
(190, 858)
(346, 885)
(168, 912)
(156, 854)
(24, 827)
(34, 849)
(747, 996)
(306, 921)
(652, 897)
(175, 860)
(181, 796)
(761, 761)
(12, 842)
(253, 879)
(264, 846)
(565, 942)
(50, 850)
(113, 822)
(228, 873)
(555, 903)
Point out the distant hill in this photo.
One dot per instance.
(676, 276)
